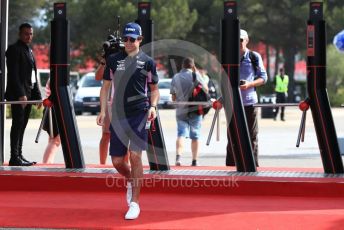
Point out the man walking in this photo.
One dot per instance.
(131, 71)
(188, 124)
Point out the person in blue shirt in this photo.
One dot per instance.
(131, 72)
(252, 75)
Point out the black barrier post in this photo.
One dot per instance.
(156, 152)
(239, 138)
(59, 80)
(3, 45)
(316, 84)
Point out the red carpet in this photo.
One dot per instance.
(83, 201)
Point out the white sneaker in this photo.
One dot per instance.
(129, 192)
(133, 212)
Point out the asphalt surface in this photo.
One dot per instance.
(277, 140)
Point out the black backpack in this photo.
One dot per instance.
(198, 95)
(254, 60)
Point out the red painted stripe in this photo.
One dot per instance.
(322, 120)
(61, 108)
(235, 119)
(316, 66)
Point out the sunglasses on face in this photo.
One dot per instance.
(132, 40)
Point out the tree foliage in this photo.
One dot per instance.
(19, 12)
(335, 75)
(278, 24)
(172, 19)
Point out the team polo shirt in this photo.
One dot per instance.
(131, 77)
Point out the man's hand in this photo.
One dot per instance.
(100, 119)
(23, 98)
(244, 85)
(151, 113)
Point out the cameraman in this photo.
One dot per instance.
(131, 71)
(111, 46)
(105, 139)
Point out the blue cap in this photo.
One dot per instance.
(132, 30)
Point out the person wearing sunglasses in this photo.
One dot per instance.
(134, 77)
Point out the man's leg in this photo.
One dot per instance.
(182, 128)
(104, 147)
(282, 113)
(278, 100)
(284, 100)
(122, 166)
(49, 153)
(179, 149)
(195, 131)
(136, 174)
(16, 128)
(252, 122)
(194, 149)
(105, 139)
(27, 111)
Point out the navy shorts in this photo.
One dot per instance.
(128, 133)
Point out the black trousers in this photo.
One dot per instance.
(20, 118)
(252, 123)
(280, 98)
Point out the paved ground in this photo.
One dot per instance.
(276, 140)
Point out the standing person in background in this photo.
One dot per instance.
(21, 86)
(188, 124)
(55, 141)
(281, 89)
(252, 75)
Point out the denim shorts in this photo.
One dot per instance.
(129, 133)
(190, 127)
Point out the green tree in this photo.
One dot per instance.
(335, 76)
(92, 21)
(20, 11)
(206, 30)
(334, 16)
(172, 19)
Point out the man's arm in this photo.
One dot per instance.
(104, 92)
(100, 70)
(13, 65)
(154, 99)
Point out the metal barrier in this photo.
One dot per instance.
(180, 103)
(20, 102)
(47, 113)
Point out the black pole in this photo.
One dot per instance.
(59, 80)
(3, 45)
(239, 138)
(156, 153)
(316, 84)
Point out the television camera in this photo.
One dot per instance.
(113, 43)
